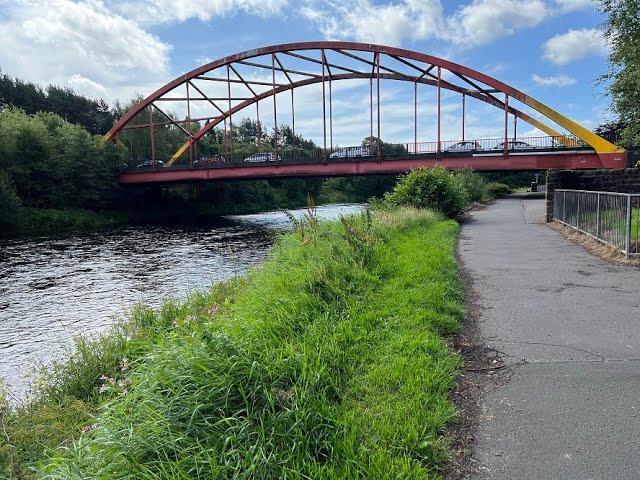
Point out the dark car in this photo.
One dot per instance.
(514, 145)
(149, 164)
(465, 146)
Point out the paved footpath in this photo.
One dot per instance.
(567, 326)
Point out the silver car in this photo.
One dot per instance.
(465, 146)
(351, 152)
(263, 157)
(514, 145)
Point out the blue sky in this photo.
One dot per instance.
(551, 49)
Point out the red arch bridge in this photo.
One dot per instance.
(211, 95)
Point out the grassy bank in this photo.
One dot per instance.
(37, 221)
(329, 361)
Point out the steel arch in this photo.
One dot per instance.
(469, 76)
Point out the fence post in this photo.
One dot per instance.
(564, 206)
(627, 237)
(578, 210)
(598, 217)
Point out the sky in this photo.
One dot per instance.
(114, 49)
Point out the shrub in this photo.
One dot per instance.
(474, 184)
(9, 203)
(498, 190)
(434, 188)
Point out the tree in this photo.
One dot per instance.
(9, 203)
(622, 30)
(385, 148)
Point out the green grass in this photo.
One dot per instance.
(329, 361)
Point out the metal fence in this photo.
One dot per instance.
(611, 218)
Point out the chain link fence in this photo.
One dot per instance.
(611, 218)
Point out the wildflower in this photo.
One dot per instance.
(106, 383)
(89, 428)
(213, 310)
(124, 365)
(123, 382)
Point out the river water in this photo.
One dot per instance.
(53, 289)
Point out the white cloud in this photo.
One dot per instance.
(485, 20)
(566, 6)
(554, 81)
(574, 45)
(169, 11)
(389, 24)
(78, 43)
(86, 86)
(478, 22)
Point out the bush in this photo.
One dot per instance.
(474, 184)
(498, 190)
(9, 203)
(435, 188)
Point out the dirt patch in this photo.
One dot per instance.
(591, 245)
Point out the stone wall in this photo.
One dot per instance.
(622, 181)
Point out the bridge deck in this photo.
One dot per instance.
(493, 161)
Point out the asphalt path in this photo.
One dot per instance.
(567, 327)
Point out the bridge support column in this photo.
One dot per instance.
(189, 125)
(275, 108)
(152, 138)
(378, 102)
(415, 118)
(506, 124)
(464, 97)
(439, 145)
(324, 116)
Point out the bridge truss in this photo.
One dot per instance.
(211, 95)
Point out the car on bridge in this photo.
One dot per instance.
(514, 145)
(351, 152)
(263, 157)
(212, 160)
(149, 164)
(464, 146)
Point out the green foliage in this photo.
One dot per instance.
(55, 164)
(434, 188)
(328, 362)
(93, 115)
(473, 183)
(513, 179)
(622, 30)
(498, 190)
(38, 221)
(385, 148)
(9, 203)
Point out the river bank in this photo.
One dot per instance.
(38, 222)
(332, 354)
(105, 274)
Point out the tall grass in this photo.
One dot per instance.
(329, 361)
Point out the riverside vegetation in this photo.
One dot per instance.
(331, 360)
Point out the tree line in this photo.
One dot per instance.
(94, 115)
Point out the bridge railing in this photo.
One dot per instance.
(388, 151)
(609, 217)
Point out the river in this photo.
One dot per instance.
(53, 289)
